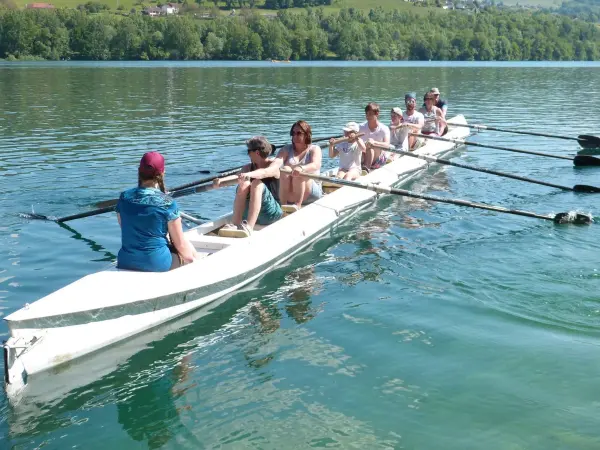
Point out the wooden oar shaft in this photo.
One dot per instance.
(434, 159)
(405, 193)
(497, 147)
(510, 130)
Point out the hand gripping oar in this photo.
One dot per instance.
(579, 160)
(585, 140)
(568, 217)
(433, 159)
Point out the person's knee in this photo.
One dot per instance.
(243, 187)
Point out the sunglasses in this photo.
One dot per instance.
(297, 133)
(250, 150)
(429, 98)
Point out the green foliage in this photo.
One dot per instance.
(93, 7)
(582, 9)
(351, 34)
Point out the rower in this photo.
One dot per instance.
(148, 217)
(442, 104)
(439, 102)
(350, 152)
(375, 133)
(301, 156)
(434, 122)
(398, 132)
(257, 195)
(413, 119)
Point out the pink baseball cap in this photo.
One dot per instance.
(152, 164)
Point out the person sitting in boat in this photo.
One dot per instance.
(442, 104)
(413, 119)
(439, 102)
(398, 131)
(434, 122)
(375, 133)
(350, 152)
(302, 156)
(148, 217)
(257, 195)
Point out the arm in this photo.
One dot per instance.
(384, 142)
(333, 152)
(182, 245)
(361, 145)
(119, 218)
(314, 166)
(444, 108)
(440, 120)
(230, 180)
(273, 169)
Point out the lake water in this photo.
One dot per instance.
(416, 325)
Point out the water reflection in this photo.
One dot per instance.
(144, 377)
(148, 413)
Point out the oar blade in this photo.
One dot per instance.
(36, 216)
(573, 217)
(588, 141)
(586, 161)
(586, 188)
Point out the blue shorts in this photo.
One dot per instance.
(316, 192)
(270, 209)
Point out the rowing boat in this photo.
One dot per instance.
(109, 306)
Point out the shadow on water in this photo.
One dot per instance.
(108, 256)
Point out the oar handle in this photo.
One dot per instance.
(434, 159)
(344, 139)
(508, 130)
(496, 147)
(314, 140)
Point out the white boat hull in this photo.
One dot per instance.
(109, 306)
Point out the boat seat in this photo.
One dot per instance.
(210, 242)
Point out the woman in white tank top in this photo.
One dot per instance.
(434, 117)
(301, 156)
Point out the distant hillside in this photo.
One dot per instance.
(582, 9)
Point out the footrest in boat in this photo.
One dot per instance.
(289, 209)
(233, 233)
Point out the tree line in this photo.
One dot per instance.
(313, 35)
(588, 10)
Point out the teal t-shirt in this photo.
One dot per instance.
(145, 214)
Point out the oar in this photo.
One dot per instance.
(224, 173)
(579, 160)
(433, 159)
(568, 217)
(319, 139)
(589, 142)
(180, 191)
(585, 140)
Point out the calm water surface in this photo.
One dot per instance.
(416, 325)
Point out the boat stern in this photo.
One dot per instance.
(15, 374)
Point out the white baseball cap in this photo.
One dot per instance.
(397, 111)
(351, 127)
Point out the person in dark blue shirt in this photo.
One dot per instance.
(147, 216)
